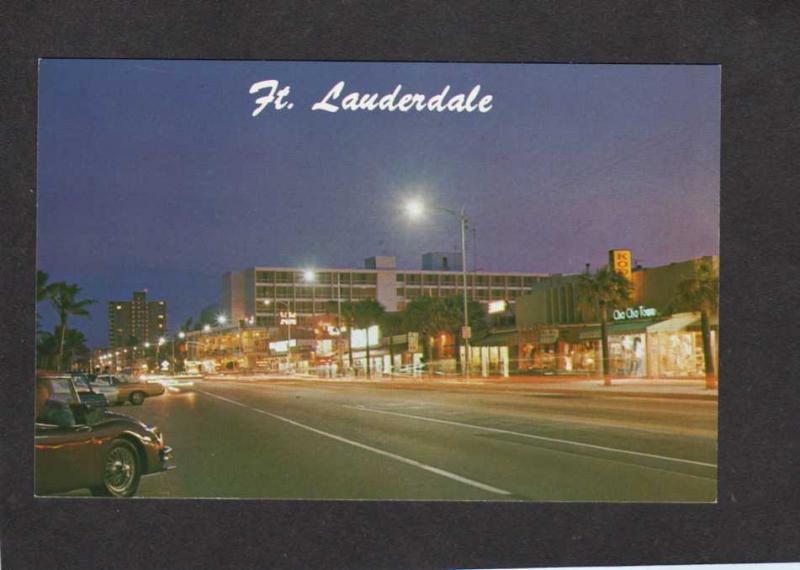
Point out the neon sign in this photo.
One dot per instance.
(640, 312)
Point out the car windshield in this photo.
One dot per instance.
(81, 385)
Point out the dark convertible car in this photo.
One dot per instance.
(84, 446)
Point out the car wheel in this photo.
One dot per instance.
(137, 398)
(121, 471)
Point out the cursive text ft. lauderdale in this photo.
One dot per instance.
(277, 96)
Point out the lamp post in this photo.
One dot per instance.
(416, 210)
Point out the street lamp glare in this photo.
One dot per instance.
(309, 275)
(206, 328)
(222, 319)
(414, 209)
(181, 334)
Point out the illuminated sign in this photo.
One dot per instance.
(282, 345)
(288, 318)
(620, 261)
(497, 307)
(359, 337)
(630, 313)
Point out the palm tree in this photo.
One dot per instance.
(368, 312)
(602, 291)
(46, 350)
(74, 346)
(43, 290)
(63, 298)
(701, 293)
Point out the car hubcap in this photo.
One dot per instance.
(120, 468)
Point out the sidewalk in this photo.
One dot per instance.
(574, 385)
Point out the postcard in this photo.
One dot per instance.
(377, 281)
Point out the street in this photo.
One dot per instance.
(301, 439)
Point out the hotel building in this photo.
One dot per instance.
(265, 292)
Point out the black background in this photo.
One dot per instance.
(756, 518)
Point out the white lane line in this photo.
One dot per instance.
(540, 437)
(400, 458)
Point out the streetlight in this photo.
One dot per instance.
(415, 210)
(222, 319)
(206, 328)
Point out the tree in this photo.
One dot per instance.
(368, 313)
(46, 350)
(422, 315)
(348, 311)
(63, 297)
(701, 293)
(600, 292)
(455, 315)
(74, 347)
(391, 325)
(43, 291)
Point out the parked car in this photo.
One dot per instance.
(102, 395)
(93, 449)
(129, 389)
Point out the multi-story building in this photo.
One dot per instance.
(265, 292)
(136, 321)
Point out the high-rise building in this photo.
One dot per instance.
(136, 321)
(265, 292)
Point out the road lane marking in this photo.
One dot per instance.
(394, 456)
(540, 437)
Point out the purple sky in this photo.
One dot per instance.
(154, 174)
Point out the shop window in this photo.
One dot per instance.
(430, 279)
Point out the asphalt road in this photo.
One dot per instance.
(336, 440)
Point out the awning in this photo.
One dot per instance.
(628, 328)
(676, 323)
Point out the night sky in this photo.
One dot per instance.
(154, 175)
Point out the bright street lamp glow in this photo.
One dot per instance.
(222, 319)
(206, 328)
(414, 209)
(309, 275)
(181, 334)
(147, 345)
(161, 341)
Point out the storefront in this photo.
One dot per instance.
(675, 347)
(627, 349)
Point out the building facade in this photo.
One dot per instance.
(267, 292)
(136, 321)
(557, 332)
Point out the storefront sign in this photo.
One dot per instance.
(497, 307)
(288, 318)
(631, 313)
(282, 345)
(620, 261)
